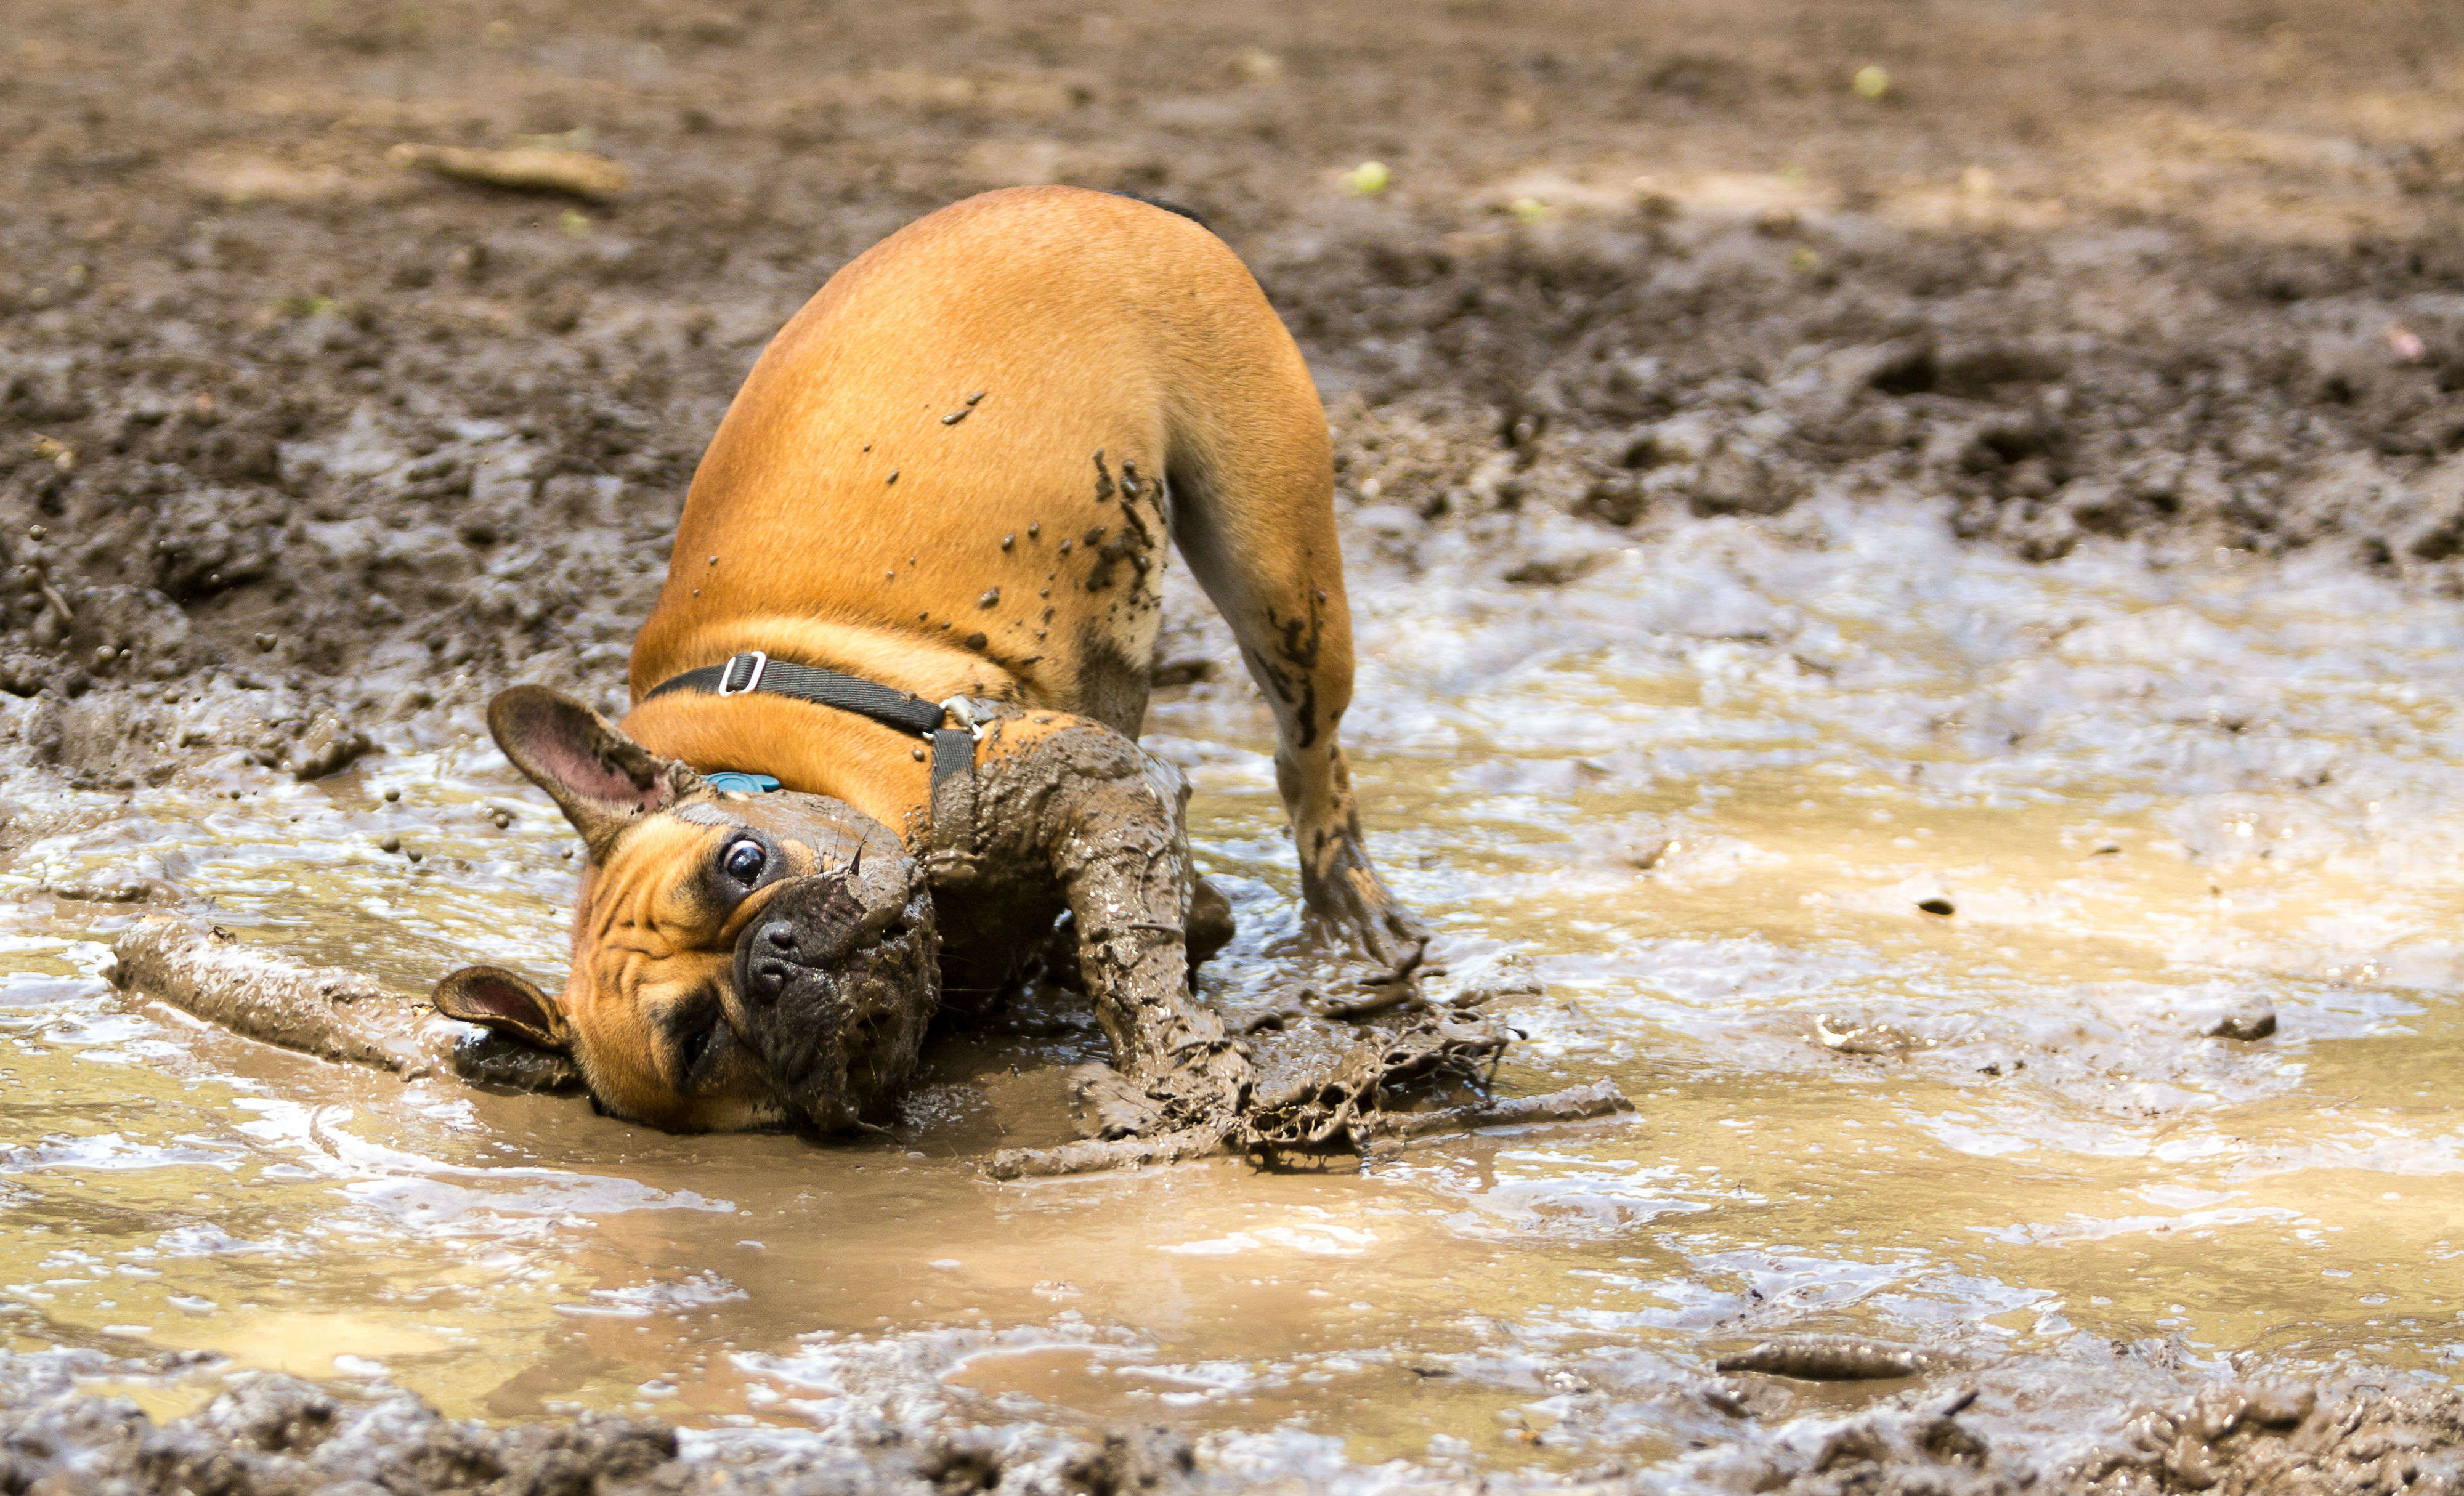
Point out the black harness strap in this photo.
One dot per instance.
(954, 747)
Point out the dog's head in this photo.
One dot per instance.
(738, 961)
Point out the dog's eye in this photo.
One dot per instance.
(696, 1044)
(744, 860)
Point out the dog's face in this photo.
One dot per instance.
(738, 961)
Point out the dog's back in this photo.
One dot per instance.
(956, 469)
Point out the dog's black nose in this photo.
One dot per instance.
(769, 976)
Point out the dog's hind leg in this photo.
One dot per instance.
(1254, 513)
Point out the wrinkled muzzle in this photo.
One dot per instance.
(834, 986)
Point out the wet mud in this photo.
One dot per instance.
(78, 1420)
(322, 440)
(1907, 628)
(266, 1435)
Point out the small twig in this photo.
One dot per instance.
(1095, 1155)
(1574, 1104)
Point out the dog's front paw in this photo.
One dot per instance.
(1207, 1089)
(1207, 1086)
(1105, 1104)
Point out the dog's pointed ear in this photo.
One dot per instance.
(494, 997)
(602, 780)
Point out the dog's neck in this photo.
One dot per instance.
(815, 749)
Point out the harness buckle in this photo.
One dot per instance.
(963, 713)
(755, 662)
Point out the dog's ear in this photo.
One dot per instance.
(494, 997)
(602, 780)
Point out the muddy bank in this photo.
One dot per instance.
(79, 1420)
(270, 1434)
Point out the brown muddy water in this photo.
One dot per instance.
(1901, 884)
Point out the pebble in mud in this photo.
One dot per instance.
(2248, 1019)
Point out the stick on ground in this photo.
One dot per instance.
(326, 1011)
(321, 1010)
(575, 173)
(1574, 1104)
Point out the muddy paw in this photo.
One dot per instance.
(1206, 1091)
(1105, 1104)
(1208, 1087)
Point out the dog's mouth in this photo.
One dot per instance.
(834, 983)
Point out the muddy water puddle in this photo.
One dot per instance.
(1902, 886)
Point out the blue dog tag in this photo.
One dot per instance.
(741, 784)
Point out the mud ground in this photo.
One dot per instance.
(261, 1434)
(303, 453)
(295, 441)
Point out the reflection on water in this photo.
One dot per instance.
(1900, 886)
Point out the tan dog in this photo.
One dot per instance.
(954, 472)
